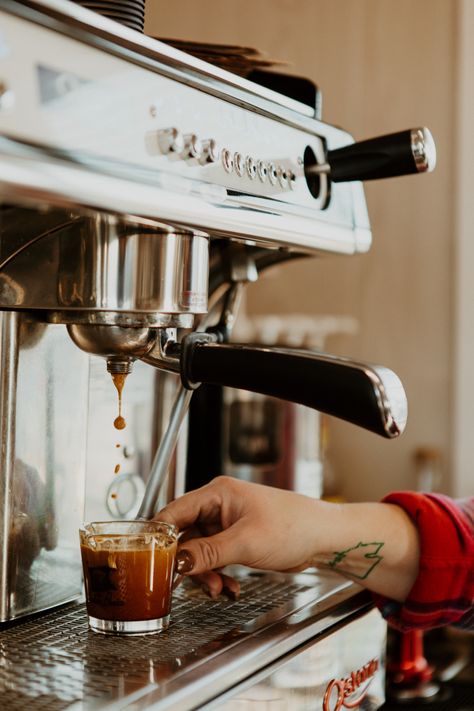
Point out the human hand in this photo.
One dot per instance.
(229, 521)
(237, 522)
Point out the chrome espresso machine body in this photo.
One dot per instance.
(141, 189)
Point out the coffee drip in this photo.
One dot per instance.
(119, 382)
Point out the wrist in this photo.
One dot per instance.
(375, 544)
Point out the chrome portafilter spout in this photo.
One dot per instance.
(119, 345)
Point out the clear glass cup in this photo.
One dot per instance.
(128, 575)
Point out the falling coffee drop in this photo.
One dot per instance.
(119, 382)
(119, 423)
(117, 469)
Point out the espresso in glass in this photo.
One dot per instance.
(128, 575)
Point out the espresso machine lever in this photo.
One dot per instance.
(368, 396)
(401, 153)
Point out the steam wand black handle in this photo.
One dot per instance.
(410, 151)
(368, 396)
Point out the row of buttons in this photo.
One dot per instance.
(189, 147)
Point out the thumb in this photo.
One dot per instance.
(198, 555)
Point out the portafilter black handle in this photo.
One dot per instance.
(410, 151)
(368, 396)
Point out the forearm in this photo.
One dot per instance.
(375, 544)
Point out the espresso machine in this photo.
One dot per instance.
(141, 190)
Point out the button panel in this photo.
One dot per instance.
(190, 148)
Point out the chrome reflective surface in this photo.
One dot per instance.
(161, 462)
(392, 399)
(155, 55)
(9, 335)
(424, 149)
(387, 388)
(29, 177)
(210, 648)
(49, 156)
(43, 392)
(101, 264)
(112, 340)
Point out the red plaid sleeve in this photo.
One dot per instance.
(443, 593)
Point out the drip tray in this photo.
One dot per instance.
(54, 662)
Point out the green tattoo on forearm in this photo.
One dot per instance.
(364, 555)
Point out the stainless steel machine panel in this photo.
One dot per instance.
(202, 159)
(343, 670)
(44, 389)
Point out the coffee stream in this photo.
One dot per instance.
(119, 382)
(119, 422)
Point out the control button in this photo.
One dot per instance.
(282, 176)
(291, 179)
(251, 167)
(170, 141)
(262, 170)
(272, 173)
(227, 160)
(192, 146)
(210, 151)
(239, 164)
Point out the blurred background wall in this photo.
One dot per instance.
(382, 66)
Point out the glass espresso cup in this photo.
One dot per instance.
(128, 575)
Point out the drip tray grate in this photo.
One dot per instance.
(54, 660)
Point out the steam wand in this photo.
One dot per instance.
(164, 453)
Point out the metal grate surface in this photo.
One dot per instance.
(53, 661)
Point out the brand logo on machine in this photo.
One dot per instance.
(347, 692)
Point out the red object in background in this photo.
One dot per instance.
(407, 666)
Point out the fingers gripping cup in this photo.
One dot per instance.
(128, 575)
